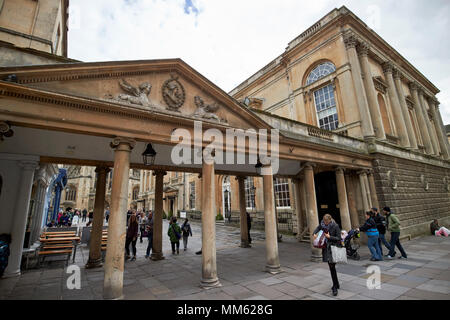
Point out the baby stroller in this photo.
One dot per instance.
(351, 246)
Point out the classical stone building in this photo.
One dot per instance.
(356, 126)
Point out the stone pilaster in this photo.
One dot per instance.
(404, 107)
(114, 261)
(372, 188)
(20, 217)
(396, 108)
(95, 243)
(362, 177)
(350, 42)
(351, 196)
(377, 122)
(443, 141)
(430, 129)
(421, 118)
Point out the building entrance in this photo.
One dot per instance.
(327, 196)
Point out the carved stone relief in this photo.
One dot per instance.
(205, 111)
(424, 182)
(173, 93)
(392, 180)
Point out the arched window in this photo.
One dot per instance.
(322, 70)
(384, 115)
(135, 193)
(71, 193)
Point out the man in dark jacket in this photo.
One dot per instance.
(370, 228)
(333, 235)
(249, 226)
(381, 226)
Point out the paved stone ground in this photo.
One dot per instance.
(424, 275)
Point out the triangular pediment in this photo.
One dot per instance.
(158, 86)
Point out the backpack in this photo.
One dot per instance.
(176, 233)
(185, 229)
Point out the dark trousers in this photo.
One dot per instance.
(333, 272)
(150, 243)
(84, 219)
(133, 246)
(396, 242)
(142, 232)
(249, 238)
(173, 246)
(382, 240)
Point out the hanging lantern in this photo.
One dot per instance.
(149, 155)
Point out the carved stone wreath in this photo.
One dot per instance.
(392, 180)
(173, 93)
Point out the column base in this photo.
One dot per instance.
(119, 298)
(210, 283)
(245, 244)
(273, 269)
(316, 258)
(157, 256)
(91, 264)
(11, 274)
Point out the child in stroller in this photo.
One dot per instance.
(351, 246)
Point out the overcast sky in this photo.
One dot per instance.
(229, 40)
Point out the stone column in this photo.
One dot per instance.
(38, 212)
(433, 139)
(404, 107)
(395, 103)
(270, 223)
(243, 211)
(421, 118)
(311, 209)
(350, 42)
(362, 177)
(157, 253)
(377, 122)
(369, 194)
(209, 266)
(351, 196)
(343, 204)
(20, 216)
(443, 141)
(115, 250)
(95, 242)
(373, 190)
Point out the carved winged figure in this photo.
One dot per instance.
(205, 111)
(136, 95)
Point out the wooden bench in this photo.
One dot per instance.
(52, 246)
(53, 252)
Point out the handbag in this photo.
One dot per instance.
(320, 241)
(339, 255)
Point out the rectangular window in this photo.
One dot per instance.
(326, 108)
(281, 191)
(192, 195)
(249, 193)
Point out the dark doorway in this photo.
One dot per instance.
(326, 195)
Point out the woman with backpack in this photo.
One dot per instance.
(333, 237)
(174, 234)
(186, 228)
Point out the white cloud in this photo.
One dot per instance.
(228, 41)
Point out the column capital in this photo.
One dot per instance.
(413, 86)
(397, 74)
(387, 67)
(159, 173)
(362, 172)
(340, 170)
(241, 178)
(122, 140)
(102, 168)
(309, 165)
(363, 48)
(350, 40)
(28, 165)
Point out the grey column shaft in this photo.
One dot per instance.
(404, 107)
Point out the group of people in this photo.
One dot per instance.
(375, 227)
(140, 225)
(72, 217)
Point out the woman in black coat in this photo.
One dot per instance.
(333, 235)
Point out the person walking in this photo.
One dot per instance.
(84, 215)
(370, 228)
(393, 225)
(149, 228)
(333, 235)
(131, 237)
(380, 221)
(142, 225)
(186, 228)
(249, 226)
(91, 217)
(174, 234)
(107, 213)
